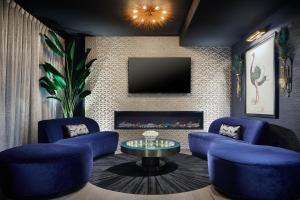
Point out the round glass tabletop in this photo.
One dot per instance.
(146, 148)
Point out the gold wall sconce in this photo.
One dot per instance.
(285, 77)
(256, 35)
(238, 68)
(285, 61)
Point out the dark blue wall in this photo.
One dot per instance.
(284, 131)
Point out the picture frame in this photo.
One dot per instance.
(262, 79)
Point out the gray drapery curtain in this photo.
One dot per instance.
(22, 102)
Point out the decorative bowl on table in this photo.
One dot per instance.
(150, 135)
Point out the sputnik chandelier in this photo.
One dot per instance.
(149, 16)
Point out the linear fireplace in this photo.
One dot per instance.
(158, 120)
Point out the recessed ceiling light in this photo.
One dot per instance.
(164, 12)
(134, 16)
(153, 20)
(157, 8)
(135, 11)
(144, 7)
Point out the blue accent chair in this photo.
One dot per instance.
(100, 142)
(257, 172)
(44, 170)
(252, 132)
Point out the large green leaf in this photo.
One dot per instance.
(84, 94)
(71, 50)
(89, 64)
(66, 70)
(56, 40)
(88, 50)
(81, 88)
(51, 84)
(47, 87)
(49, 68)
(52, 46)
(81, 64)
(54, 97)
(81, 79)
(49, 75)
(58, 80)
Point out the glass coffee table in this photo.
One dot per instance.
(151, 152)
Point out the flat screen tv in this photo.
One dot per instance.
(159, 75)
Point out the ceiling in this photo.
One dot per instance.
(101, 17)
(224, 22)
(215, 22)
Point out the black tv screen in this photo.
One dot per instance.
(159, 75)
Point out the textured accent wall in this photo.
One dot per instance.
(108, 81)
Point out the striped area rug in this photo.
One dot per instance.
(119, 172)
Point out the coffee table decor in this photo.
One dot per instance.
(150, 135)
(150, 152)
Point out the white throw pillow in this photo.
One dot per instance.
(76, 130)
(230, 131)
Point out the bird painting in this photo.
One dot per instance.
(260, 94)
(258, 78)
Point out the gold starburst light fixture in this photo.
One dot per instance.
(149, 16)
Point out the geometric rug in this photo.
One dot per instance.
(119, 172)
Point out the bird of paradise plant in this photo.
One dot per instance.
(67, 88)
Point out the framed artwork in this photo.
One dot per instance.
(261, 79)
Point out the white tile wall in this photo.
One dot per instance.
(108, 81)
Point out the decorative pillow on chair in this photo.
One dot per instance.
(230, 131)
(76, 130)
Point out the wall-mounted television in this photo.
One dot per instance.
(159, 75)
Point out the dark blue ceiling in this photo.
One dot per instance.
(224, 22)
(101, 17)
(215, 22)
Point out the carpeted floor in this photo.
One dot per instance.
(120, 173)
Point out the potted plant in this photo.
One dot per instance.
(238, 67)
(67, 88)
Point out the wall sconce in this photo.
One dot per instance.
(238, 68)
(256, 35)
(285, 74)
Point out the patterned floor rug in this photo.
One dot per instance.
(120, 173)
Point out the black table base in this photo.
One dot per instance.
(151, 164)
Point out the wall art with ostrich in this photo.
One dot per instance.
(260, 79)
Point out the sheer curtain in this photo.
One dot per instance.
(22, 102)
